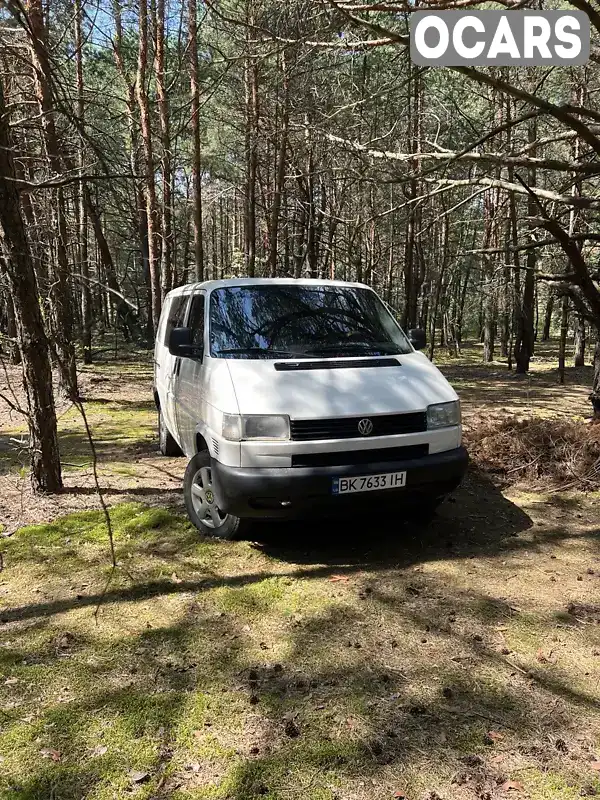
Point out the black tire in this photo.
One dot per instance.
(166, 443)
(231, 527)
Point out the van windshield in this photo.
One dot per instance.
(286, 320)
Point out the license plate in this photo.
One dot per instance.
(368, 483)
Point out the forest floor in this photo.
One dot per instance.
(460, 662)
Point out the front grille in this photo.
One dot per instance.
(303, 430)
(351, 457)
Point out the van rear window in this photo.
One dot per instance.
(284, 320)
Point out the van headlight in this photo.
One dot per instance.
(443, 415)
(241, 427)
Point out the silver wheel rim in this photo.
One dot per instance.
(203, 499)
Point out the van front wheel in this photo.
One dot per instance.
(199, 497)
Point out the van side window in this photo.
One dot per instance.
(175, 315)
(196, 320)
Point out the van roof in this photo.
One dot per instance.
(209, 285)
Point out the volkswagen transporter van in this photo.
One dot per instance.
(295, 398)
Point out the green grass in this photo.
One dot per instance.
(117, 430)
(322, 661)
(217, 671)
(74, 541)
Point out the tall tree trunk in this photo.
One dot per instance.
(444, 250)
(251, 146)
(579, 354)
(279, 174)
(196, 140)
(595, 395)
(60, 292)
(214, 245)
(166, 268)
(124, 312)
(490, 303)
(505, 315)
(412, 264)
(562, 344)
(186, 254)
(489, 330)
(311, 239)
(512, 288)
(84, 267)
(149, 184)
(524, 339)
(462, 303)
(33, 344)
(138, 193)
(548, 315)
(14, 354)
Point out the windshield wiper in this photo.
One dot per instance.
(355, 347)
(255, 350)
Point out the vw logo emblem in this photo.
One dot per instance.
(365, 427)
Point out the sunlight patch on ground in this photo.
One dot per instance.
(219, 671)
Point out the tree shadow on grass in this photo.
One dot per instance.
(480, 520)
(119, 403)
(133, 491)
(14, 454)
(112, 443)
(196, 705)
(534, 393)
(476, 519)
(393, 678)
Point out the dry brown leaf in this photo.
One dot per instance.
(540, 656)
(49, 752)
(512, 785)
(175, 578)
(495, 736)
(100, 750)
(339, 578)
(401, 795)
(595, 765)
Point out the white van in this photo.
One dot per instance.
(300, 397)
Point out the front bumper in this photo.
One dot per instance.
(291, 492)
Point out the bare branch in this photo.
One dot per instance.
(67, 180)
(560, 113)
(573, 253)
(11, 405)
(578, 237)
(497, 183)
(499, 159)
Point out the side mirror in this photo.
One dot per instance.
(181, 344)
(417, 338)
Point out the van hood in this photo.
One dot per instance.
(320, 393)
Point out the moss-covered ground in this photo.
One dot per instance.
(361, 659)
